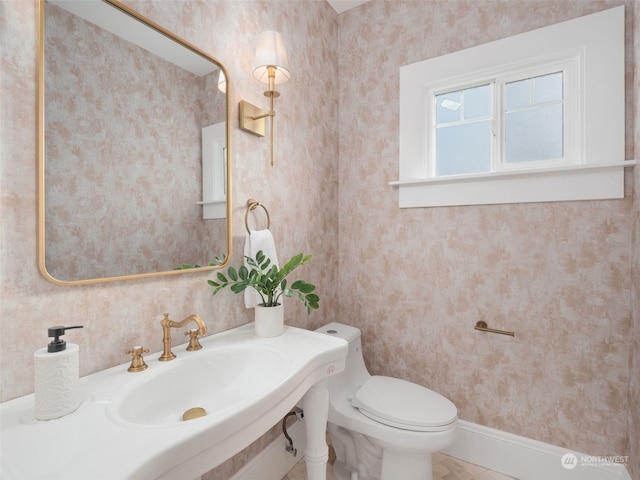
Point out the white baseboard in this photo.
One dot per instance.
(513, 455)
(274, 461)
(526, 459)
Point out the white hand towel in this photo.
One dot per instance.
(255, 241)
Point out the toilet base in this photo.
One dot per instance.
(359, 458)
(415, 467)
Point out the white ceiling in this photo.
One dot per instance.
(344, 5)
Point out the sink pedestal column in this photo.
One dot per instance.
(315, 404)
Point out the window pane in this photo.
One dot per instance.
(464, 148)
(548, 88)
(517, 94)
(477, 102)
(534, 134)
(448, 107)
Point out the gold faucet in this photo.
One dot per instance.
(167, 324)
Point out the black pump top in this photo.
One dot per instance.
(58, 345)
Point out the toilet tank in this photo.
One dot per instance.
(355, 372)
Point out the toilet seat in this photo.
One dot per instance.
(405, 405)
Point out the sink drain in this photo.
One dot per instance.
(195, 412)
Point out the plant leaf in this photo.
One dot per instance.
(239, 287)
(233, 275)
(243, 273)
(265, 264)
(303, 286)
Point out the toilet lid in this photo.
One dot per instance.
(403, 404)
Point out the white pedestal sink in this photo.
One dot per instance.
(130, 424)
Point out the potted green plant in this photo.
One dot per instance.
(271, 284)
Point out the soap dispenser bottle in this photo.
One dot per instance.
(57, 374)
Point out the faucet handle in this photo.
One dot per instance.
(194, 344)
(137, 361)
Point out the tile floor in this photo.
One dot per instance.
(444, 468)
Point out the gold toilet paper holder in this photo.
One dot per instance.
(483, 327)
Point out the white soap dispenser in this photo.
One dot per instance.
(57, 374)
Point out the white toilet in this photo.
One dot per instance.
(383, 428)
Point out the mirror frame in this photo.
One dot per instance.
(41, 152)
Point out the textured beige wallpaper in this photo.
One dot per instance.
(301, 191)
(415, 281)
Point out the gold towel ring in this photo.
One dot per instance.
(251, 205)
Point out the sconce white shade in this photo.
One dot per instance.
(222, 82)
(270, 52)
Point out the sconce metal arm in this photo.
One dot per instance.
(264, 115)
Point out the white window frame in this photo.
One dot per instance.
(567, 63)
(594, 165)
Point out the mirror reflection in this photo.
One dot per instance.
(134, 153)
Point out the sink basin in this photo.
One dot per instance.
(214, 380)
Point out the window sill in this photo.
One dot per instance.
(582, 182)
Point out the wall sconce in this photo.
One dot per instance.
(270, 66)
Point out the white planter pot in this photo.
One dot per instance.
(269, 321)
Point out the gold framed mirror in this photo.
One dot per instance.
(134, 157)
